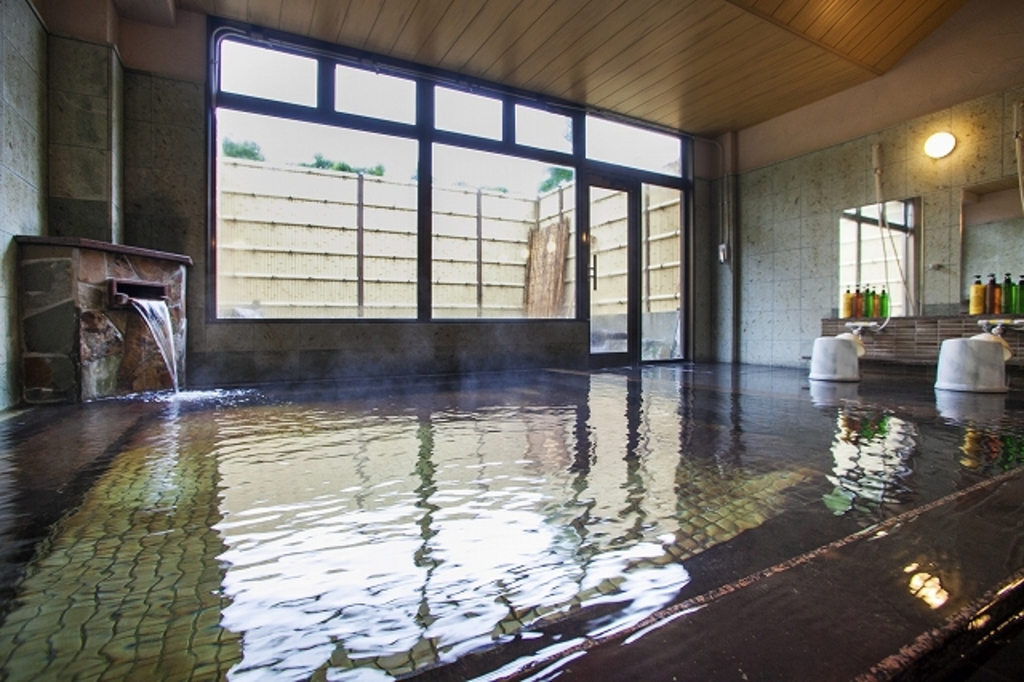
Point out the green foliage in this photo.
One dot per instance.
(327, 164)
(556, 177)
(242, 150)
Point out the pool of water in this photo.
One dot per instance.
(374, 532)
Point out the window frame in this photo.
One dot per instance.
(424, 132)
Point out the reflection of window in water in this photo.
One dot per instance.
(871, 454)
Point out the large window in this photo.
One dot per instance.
(349, 188)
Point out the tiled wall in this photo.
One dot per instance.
(85, 90)
(916, 340)
(22, 165)
(789, 215)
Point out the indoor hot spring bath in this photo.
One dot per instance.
(668, 523)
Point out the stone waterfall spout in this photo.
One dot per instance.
(150, 301)
(83, 334)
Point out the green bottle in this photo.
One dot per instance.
(883, 303)
(1006, 303)
(1018, 301)
(869, 302)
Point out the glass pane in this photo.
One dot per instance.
(366, 93)
(466, 113)
(267, 74)
(627, 145)
(503, 236)
(543, 129)
(662, 253)
(313, 221)
(609, 270)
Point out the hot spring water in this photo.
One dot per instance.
(370, 534)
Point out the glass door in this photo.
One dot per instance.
(636, 273)
(611, 252)
(661, 288)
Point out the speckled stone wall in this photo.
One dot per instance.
(76, 345)
(22, 166)
(85, 126)
(789, 217)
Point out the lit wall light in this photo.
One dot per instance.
(939, 145)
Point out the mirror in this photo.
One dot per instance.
(993, 234)
(877, 253)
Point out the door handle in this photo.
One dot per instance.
(593, 271)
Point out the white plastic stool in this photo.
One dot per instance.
(974, 365)
(835, 358)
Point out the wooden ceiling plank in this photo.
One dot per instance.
(871, 25)
(571, 78)
(831, 17)
(556, 51)
(232, 9)
(708, 72)
(326, 19)
(488, 20)
(296, 16)
(684, 51)
(389, 23)
(547, 25)
(787, 11)
(265, 13)
(753, 99)
(456, 20)
(419, 29)
(838, 32)
(887, 58)
(518, 22)
(578, 50)
(358, 22)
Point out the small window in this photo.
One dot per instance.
(543, 129)
(466, 113)
(365, 93)
(626, 145)
(267, 74)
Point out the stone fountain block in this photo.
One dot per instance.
(76, 345)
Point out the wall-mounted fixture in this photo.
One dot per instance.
(939, 145)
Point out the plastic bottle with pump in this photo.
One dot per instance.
(1006, 295)
(846, 306)
(1019, 306)
(883, 303)
(976, 302)
(993, 296)
(869, 302)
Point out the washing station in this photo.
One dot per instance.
(98, 320)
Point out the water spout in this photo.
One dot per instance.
(157, 317)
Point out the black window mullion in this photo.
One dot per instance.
(325, 85)
(425, 200)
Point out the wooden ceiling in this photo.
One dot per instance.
(699, 66)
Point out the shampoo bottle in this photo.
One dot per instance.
(976, 304)
(993, 296)
(846, 306)
(1006, 297)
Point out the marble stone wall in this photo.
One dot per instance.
(789, 216)
(23, 163)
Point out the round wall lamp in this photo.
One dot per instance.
(939, 145)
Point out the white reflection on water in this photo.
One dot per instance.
(416, 541)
